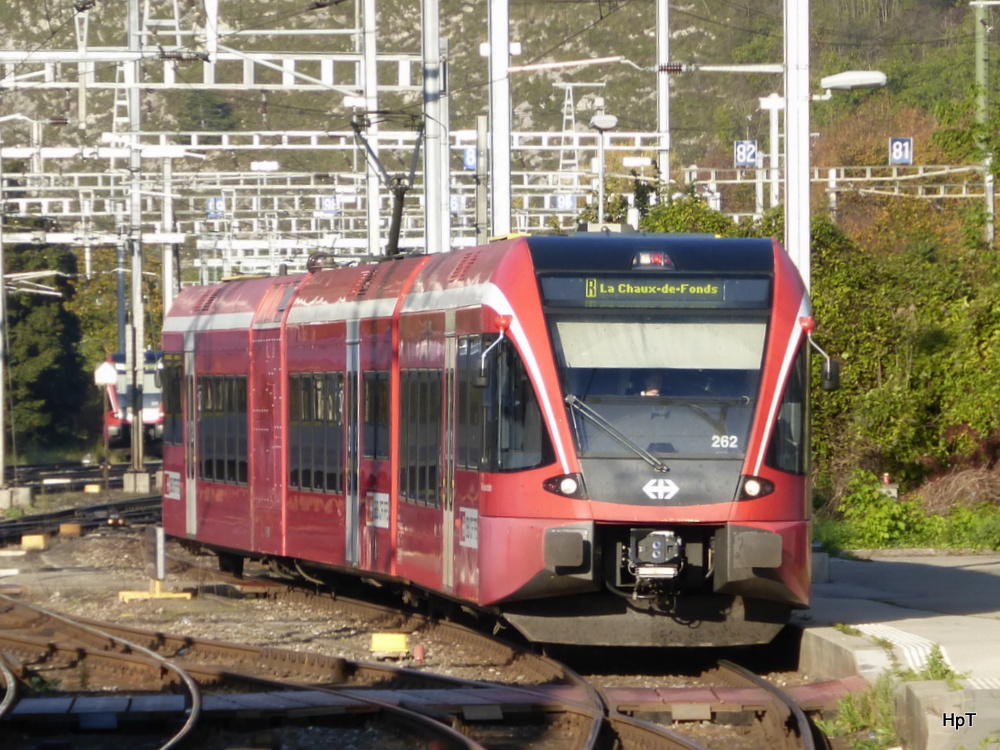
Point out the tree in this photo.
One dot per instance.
(48, 388)
(688, 214)
(57, 342)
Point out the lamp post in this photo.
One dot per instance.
(601, 122)
(797, 184)
(3, 294)
(850, 79)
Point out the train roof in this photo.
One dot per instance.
(373, 289)
(612, 251)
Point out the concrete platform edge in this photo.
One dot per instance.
(930, 715)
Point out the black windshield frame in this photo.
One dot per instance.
(702, 412)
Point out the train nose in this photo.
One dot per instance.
(689, 481)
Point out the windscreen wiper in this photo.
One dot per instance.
(615, 433)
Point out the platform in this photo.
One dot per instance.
(888, 610)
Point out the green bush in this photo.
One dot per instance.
(866, 720)
(832, 534)
(874, 519)
(869, 518)
(976, 528)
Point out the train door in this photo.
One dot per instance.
(374, 478)
(191, 448)
(267, 477)
(266, 443)
(468, 453)
(448, 457)
(351, 399)
(420, 529)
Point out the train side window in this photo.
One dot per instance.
(469, 411)
(316, 432)
(206, 429)
(523, 441)
(407, 435)
(424, 438)
(434, 412)
(376, 414)
(788, 448)
(230, 429)
(171, 378)
(295, 429)
(316, 446)
(516, 437)
(243, 433)
(223, 439)
(421, 421)
(333, 428)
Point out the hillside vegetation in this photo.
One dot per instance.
(926, 47)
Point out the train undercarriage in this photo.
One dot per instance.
(693, 586)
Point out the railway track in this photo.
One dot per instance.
(129, 512)
(782, 721)
(70, 476)
(581, 720)
(40, 647)
(541, 702)
(775, 716)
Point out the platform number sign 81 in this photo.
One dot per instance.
(901, 151)
(745, 153)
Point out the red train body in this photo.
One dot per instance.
(601, 438)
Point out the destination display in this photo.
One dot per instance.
(637, 290)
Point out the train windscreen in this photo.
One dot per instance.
(150, 389)
(680, 385)
(150, 383)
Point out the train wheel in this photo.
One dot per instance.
(231, 563)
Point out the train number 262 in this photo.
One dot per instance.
(725, 441)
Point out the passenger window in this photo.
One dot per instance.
(516, 428)
(789, 446)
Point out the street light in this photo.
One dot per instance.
(601, 122)
(846, 81)
(3, 288)
(851, 79)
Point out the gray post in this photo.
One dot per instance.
(500, 116)
(797, 203)
(434, 194)
(169, 275)
(831, 187)
(982, 109)
(370, 80)
(663, 89)
(482, 180)
(133, 76)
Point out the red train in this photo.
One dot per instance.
(118, 418)
(600, 438)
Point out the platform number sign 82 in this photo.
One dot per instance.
(901, 151)
(745, 153)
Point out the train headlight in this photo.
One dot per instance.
(567, 485)
(753, 487)
(652, 259)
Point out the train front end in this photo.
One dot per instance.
(682, 416)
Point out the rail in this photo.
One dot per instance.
(788, 725)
